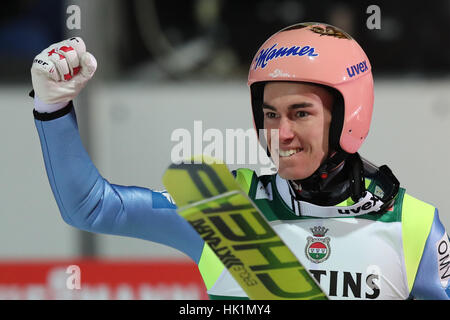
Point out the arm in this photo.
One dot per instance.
(433, 275)
(85, 199)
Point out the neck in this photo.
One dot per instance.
(329, 189)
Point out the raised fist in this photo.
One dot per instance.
(60, 72)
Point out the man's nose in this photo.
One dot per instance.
(285, 130)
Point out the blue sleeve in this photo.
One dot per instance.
(89, 202)
(433, 276)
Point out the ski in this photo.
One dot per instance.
(210, 199)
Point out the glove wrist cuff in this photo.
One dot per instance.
(47, 116)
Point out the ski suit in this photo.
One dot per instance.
(401, 254)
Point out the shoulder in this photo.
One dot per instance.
(422, 232)
(417, 217)
(427, 251)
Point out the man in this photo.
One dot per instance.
(347, 221)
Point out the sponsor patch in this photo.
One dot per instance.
(274, 52)
(373, 204)
(443, 260)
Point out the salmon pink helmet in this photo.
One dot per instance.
(325, 55)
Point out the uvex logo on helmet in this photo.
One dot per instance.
(265, 55)
(357, 68)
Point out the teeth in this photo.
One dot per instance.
(288, 153)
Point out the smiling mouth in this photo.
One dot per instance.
(290, 152)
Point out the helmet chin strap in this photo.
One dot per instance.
(323, 176)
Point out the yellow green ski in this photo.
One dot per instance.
(234, 228)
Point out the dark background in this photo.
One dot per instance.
(413, 39)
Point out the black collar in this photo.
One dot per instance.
(340, 177)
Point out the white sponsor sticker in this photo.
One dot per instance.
(279, 73)
(443, 260)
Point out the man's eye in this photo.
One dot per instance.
(302, 114)
(271, 115)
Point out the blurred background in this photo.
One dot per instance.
(162, 65)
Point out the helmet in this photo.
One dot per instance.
(325, 55)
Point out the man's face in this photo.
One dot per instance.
(302, 114)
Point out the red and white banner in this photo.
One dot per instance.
(100, 280)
